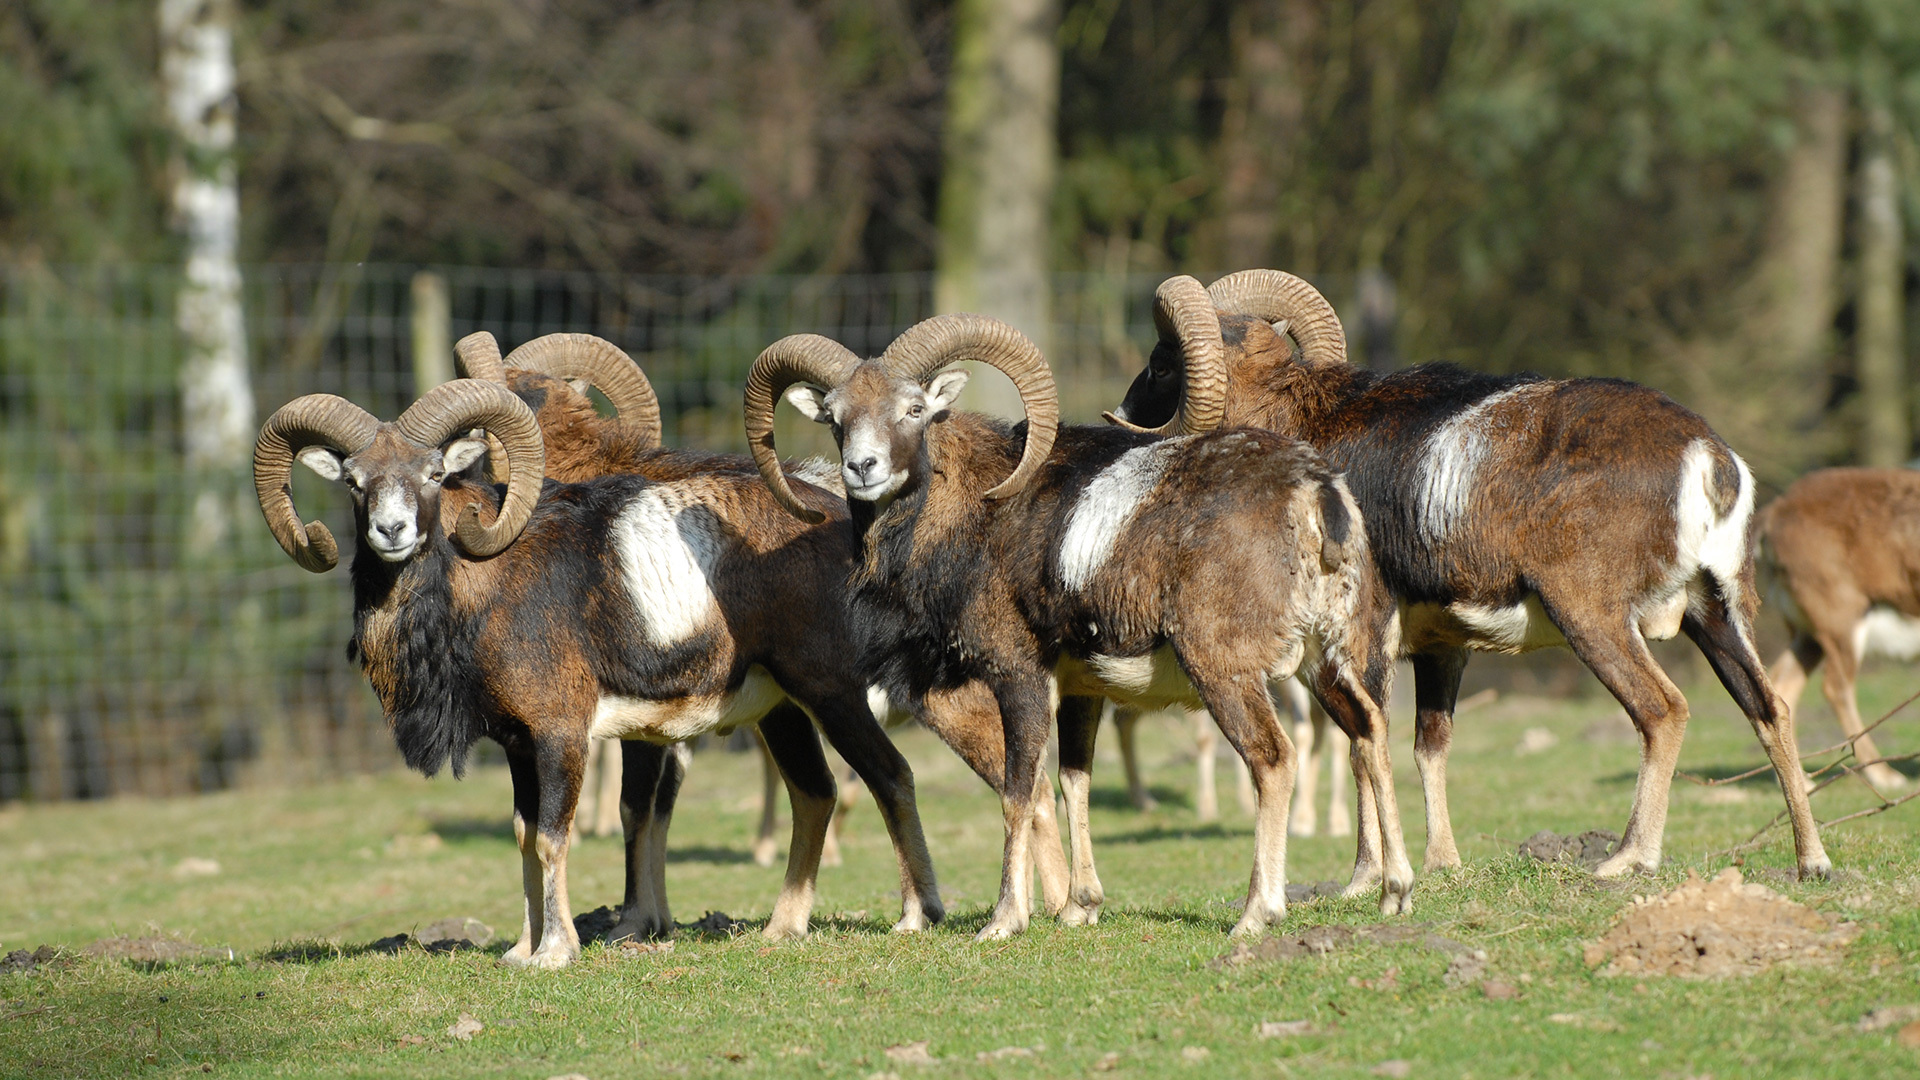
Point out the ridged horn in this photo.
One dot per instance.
(313, 420)
(479, 357)
(1184, 314)
(454, 407)
(796, 358)
(1275, 295)
(931, 345)
(602, 363)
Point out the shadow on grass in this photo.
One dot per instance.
(1157, 833)
(1115, 798)
(456, 830)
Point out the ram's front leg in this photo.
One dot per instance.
(546, 791)
(1025, 715)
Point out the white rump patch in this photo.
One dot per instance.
(1703, 539)
(673, 719)
(1451, 469)
(669, 544)
(1886, 632)
(1153, 681)
(1107, 505)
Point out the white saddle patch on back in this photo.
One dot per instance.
(1106, 507)
(669, 544)
(1886, 632)
(663, 720)
(1450, 470)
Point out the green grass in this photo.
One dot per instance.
(349, 862)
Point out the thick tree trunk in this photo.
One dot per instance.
(996, 188)
(1880, 357)
(1783, 339)
(1259, 130)
(196, 68)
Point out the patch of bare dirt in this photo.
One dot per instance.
(155, 949)
(1588, 849)
(1711, 929)
(26, 961)
(1321, 940)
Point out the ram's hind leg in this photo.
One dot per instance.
(1079, 722)
(1840, 688)
(1243, 710)
(1365, 723)
(1436, 687)
(1618, 656)
(1723, 636)
(791, 741)
(1309, 740)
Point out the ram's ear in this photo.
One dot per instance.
(945, 387)
(811, 401)
(324, 460)
(460, 454)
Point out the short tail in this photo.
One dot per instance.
(1336, 524)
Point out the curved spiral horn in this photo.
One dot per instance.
(479, 357)
(796, 358)
(452, 408)
(313, 420)
(1184, 314)
(931, 345)
(602, 363)
(1275, 295)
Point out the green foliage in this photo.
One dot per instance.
(82, 145)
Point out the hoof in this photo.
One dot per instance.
(1340, 825)
(1396, 900)
(1365, 881)
(1074, 914)
(639, 930)
(1000, 929)
(1254, 923)
(765, 851)
(1302, 825)
(1438, 859)
(784, 931)
(829, 857)
(911, 922)
(1881, 776)
(1622, 863)
(518, 956)
(1820, 869)
(1145, 803)
(552, 959)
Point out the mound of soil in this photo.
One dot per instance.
(1712, 929)
(155, 949)
(47, 956)
(1321, 940)
(1589, 849)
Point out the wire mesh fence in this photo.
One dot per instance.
(138, 655)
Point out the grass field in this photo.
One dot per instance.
(350, 862)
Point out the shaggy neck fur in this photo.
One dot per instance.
(416, 648)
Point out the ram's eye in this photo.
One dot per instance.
(436, 476)
(916, 410)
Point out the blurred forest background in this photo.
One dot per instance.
(1716, 197)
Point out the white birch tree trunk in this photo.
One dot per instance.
(197, 74)
(996, 189)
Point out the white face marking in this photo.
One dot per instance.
(1106, 507)
(1455, 453)
(867, 468)
(669, 544)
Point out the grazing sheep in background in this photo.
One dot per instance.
(1506, 513)
(1153, 571)
(618, 606)
(1843, 548)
